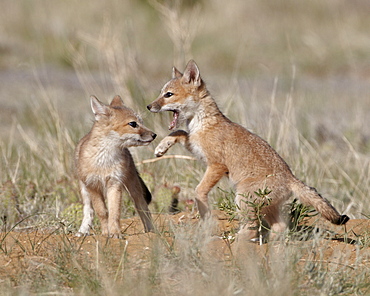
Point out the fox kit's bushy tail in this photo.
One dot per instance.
(146, 192)
(309, 196)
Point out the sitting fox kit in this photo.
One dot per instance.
(230, 150)
(105, 167)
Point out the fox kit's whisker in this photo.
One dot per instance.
(105, 167)
(229, 149)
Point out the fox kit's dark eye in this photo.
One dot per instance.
(168, 94)
(133, 124)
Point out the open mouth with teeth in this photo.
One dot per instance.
(173, 123)
(145, 143)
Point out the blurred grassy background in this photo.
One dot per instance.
(296, 73)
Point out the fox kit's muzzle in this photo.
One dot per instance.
(148, 136)
(153, 107)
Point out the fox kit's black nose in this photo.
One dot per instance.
(149, 107)
(154, 136)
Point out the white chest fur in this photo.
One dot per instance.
(196, 122)
(196, 148)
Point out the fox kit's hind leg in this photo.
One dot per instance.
(254, 227)
(260, 210)
(211, 177)
(248, 231)
(179, 136)
(276, 220)
(255, 211)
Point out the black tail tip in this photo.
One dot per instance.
(343, 219)
(148, 197)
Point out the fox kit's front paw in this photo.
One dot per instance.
(164, 145)
(81, 234)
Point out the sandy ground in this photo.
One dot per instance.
(25, 251)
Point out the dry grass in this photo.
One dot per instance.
(296, 74)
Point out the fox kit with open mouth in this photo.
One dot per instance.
(105, 167)
(229, 149)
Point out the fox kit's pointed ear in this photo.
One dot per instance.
(192, 74)
(98, 108)
(117, 102)
(176, 73)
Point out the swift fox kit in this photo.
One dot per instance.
(105, 167)
(230, 150)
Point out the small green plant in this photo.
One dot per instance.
(298, 215)
(226, 203)
(257, 204)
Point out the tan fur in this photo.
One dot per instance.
(229, 149)
(105, 167)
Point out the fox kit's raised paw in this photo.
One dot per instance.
(178, 136)
(164, 145)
